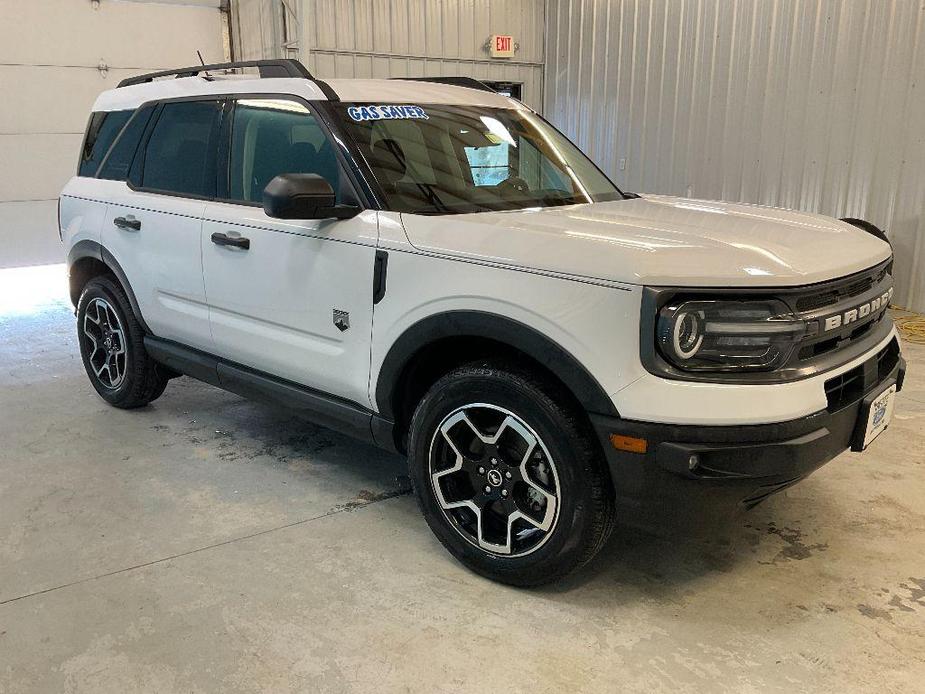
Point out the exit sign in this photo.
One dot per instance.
(501, 46)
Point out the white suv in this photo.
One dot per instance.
(430, 266)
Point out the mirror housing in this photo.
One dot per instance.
(303, 196)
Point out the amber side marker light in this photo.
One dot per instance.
(629, 443)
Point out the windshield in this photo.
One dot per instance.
(439, 159)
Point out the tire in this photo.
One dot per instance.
(479, 420)
(112, 347)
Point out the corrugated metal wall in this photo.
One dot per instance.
(817, 105)
(418, 38)
(253, 32)
(397, 38)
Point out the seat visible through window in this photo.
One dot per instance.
(180, 156)
(271, 137)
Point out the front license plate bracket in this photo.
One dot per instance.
(874, 415)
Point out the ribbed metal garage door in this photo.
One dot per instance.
(55, 57)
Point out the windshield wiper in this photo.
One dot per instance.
(431, 196)
(428, 209)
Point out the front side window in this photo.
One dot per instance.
(101, 132)
(441, 159)
(180, 156)
(275, 136)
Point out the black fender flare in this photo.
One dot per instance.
(507, 331)
(95, 250)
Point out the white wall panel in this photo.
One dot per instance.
(36, 169)
(140, 35)
(817, 105)
(50, 51)
(31, 229)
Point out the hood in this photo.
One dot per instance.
(658, 241)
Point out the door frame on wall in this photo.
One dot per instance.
(515, 90)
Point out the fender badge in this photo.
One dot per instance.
(341, 319)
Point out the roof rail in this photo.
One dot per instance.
(469, 82)
(267, 68)
(282, 67)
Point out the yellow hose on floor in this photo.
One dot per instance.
(911, 325)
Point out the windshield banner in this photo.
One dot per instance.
(385, 112)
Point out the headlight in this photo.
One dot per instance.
(727, 335)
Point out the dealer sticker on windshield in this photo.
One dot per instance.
(386, 112)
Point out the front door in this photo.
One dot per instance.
(290, 298)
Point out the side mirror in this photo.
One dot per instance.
(303, 196)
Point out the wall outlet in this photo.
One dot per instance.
(622, 164)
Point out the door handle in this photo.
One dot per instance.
(128, 222)
(234, 241)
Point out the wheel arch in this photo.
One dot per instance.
(438, 343)
(88, 259)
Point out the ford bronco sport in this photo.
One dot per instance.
(430, 266)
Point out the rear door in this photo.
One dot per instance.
(291, 298)
(154, 219)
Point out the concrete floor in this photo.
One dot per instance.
(210, 544)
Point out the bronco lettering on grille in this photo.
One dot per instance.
(859, 312)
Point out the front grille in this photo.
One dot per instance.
(838, 299)
(820, 348)
(850, 386)
(830, 296)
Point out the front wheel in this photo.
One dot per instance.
(508, 476)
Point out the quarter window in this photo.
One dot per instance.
(275, 136)
(117, 162)
(180, 156)
(102, 130)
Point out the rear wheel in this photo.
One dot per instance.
(112, 347)
(508, 476)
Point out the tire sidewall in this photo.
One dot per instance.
(535, 408)
(104, 289)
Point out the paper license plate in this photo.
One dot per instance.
(881, 412)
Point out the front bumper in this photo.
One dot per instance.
(742, 465)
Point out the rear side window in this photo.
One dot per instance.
(102, 130)
(180, 155)
(117, 163)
